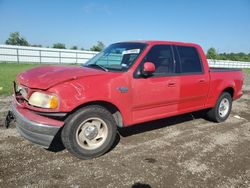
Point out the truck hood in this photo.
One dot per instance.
(48, 76)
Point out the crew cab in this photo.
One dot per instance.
(125, 84)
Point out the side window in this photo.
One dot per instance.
(189, 60)
(161, 56)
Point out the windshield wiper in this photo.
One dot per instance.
(96, 65)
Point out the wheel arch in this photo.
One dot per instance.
(229, 90)
(113, 109)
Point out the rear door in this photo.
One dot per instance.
(194, 82)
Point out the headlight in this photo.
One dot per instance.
(43, 100)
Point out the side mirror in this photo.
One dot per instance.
(148, 68)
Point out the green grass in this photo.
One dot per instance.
(8, 72)
(247, 71)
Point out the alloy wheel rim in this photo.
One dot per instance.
(92, 133)
(224, 107)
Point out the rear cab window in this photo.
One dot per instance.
(189, 60)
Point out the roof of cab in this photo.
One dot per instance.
(153, 42)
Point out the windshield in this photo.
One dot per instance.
(117, 57)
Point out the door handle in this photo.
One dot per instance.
(171, 84)
(201, 81)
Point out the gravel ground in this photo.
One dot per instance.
(183, 151)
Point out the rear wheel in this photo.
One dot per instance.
(89, 132)
(222, 108)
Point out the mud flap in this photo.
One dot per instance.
(9, 118)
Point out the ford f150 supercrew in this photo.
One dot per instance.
(125, 84)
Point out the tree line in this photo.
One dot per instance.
(213, 54)
(16, 39)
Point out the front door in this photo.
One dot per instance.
(156, 96)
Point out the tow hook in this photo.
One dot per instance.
(9, 118)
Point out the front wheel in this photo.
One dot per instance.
(222, 108)
(89, 132)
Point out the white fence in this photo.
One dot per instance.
(228, 64)
(21, 54)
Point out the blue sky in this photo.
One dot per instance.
(223, 24)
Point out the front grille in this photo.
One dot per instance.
(24, 92)
(21, 93)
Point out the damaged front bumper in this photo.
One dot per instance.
(35, 128)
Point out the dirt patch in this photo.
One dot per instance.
(4, 108)
(184, 151)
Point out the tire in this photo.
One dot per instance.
(89, 132)
(217, 114)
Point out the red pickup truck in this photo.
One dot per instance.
(125, 84)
